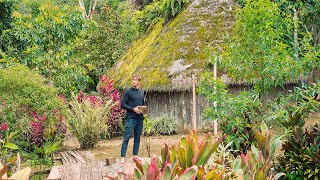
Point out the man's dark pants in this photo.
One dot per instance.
(135, 126)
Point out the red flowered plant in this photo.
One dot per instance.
(108, 91)
(94, 100)
(3, 126)
(37, 129)
(39, 124)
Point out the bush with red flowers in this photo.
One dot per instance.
(107, 90)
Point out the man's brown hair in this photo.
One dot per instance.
(136, 76)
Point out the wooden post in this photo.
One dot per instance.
(194, 103)
(215, 123)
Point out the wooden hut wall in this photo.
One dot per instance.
(175, 104)
(179, 104)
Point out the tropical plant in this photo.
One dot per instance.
(165, 125)
(223, 159)
(268, 61)
(108, 92)
(147, 131)
(88, 116)
(30, 107)
(98, 51)
(22, 91)
(238, 113)
(51, 29)
(187, 160)
(6, 10)
(7, 146)
(22, 174)
(291, 110)
(301, 158)
(148, 16)
(257, 163)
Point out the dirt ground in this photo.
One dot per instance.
(111, 147)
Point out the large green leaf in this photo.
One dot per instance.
(189, 174)
(167, 172)
(10, 146)
(23, 174)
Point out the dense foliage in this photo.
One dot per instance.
(259, 51)
(301, 158)
(32, 115)
(237, 113)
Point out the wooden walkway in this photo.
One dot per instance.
(82, 165)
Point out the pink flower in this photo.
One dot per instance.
(3, 126)
(103, 78)
(80, 96)
(63, 98)
(38, 117)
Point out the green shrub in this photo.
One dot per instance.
(24, 96)
(291, 110)
(148, 126)
(301, 158)
(165, 125)
(23, 91)
(238, 113)
(88, 119)
(32, 108)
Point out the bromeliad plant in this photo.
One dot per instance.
(301, 158)
(188, 160)
(257, 163)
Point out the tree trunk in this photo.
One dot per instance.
(88, 14)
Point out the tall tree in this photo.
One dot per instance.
(45, 34)
(256, 53)
(306, 14)
(6, 10)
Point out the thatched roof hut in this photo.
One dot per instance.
(170, 53)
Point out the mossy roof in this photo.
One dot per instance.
(171, 52)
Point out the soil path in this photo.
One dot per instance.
(111, 147)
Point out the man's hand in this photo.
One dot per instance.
(136, 110)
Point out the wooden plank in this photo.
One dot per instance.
(67, 158)
(71, 158)
(93, 171)
(89, 171)
(77, 156)
(55, 173)
(64, 159)
(71, 172)
(88, 156)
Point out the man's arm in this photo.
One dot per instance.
(124, 102)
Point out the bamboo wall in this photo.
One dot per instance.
(179, 104)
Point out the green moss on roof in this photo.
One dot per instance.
(182, 40)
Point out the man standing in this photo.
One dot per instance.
(132, 98)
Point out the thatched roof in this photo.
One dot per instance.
(167, 57)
